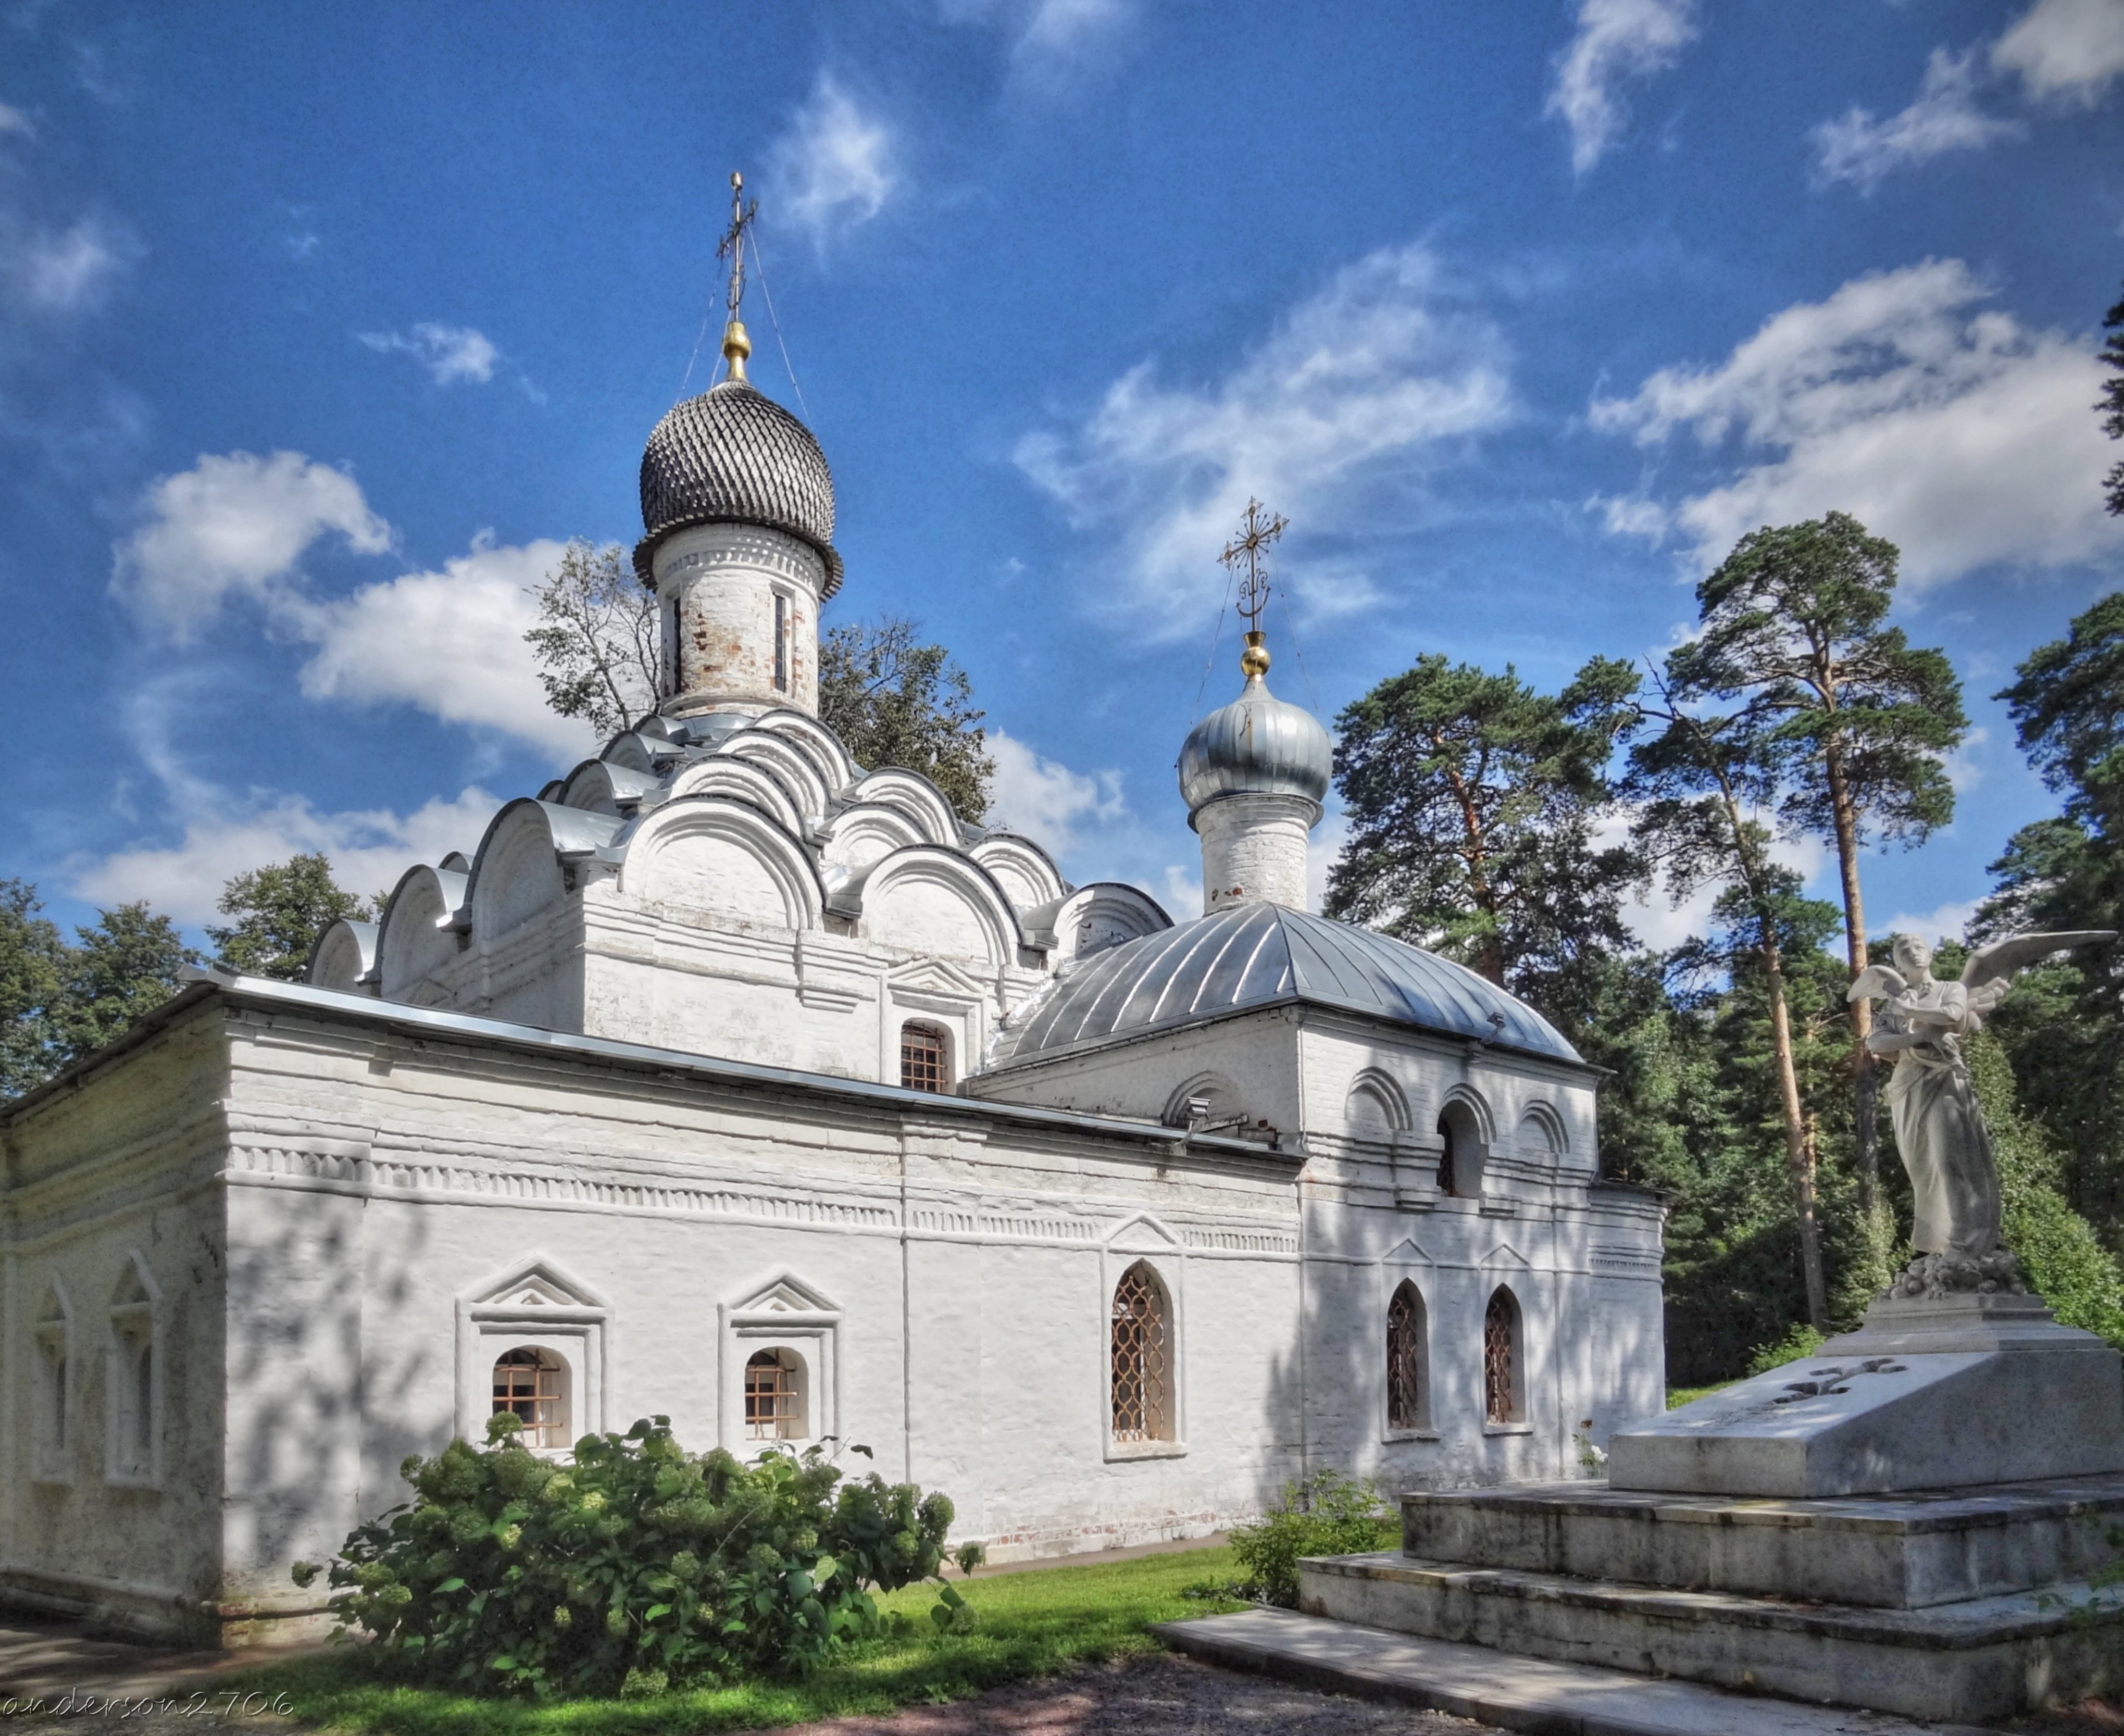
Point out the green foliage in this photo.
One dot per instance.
(1796, 1346)
(1327, 1514)
(280, 910)
(1473, 802)
(32, 977)
(596, 640)
(1031, 1625)
(637, 1568)
(2061, 1254)
(2111, 403)
(894, 702)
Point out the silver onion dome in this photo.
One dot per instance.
(1258, 745)
(734, 456)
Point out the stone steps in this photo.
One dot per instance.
(1973, 1660)
(1906, 1550)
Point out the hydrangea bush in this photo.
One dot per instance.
(637, 1567)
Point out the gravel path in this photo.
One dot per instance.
(1161, 1695)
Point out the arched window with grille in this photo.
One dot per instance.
(1142, 1357)
(925, 1058)
(1504, 1381)
(533, 1385)
(1409, 1376)
(774, 1408)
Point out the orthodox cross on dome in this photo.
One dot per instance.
(736, 346)
(1252, 547)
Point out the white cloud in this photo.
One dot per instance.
(1948, 428)
(448, 352)
(235, 523)
(1616, 39)
(1945, 117)
(2066, 49)
(450, 643)
(1376, 377)
(1631, 516)
(1044, 800)
(1181, 893)
(1659, 923)
(14, 120)
(1046, 35)
(1946, 923)
(833, 166)
(370, 850)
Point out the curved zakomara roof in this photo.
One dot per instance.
(1259, 955)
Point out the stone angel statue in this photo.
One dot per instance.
(1939, 1129)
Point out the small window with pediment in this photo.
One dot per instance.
(132, 1390)
(1504, 1379)
(1142, 1358)
(924, 1058)
(531, 1384)
(1408, 1383)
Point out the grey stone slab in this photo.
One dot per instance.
(1985, 1658)
(1864, 1425)
(1903, 1550)
(1536, 1694)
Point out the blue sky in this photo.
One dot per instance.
(321, 326)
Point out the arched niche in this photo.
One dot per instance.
(863, 836)
(937, 904)
(1504, 1360)
(742, 780)
(599, 786)
(1207, 1099)
(724, 858)
(1465, 1125)
(1541, 1136)
(420, 931)
(1376, 1107)
(915, 797)
(344, 958)
(1026, 872)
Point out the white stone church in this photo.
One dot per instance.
(726, 1079)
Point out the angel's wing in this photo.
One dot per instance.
(1876, 982)
(1997, 962)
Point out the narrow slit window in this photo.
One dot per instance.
(923, 1065)
(1501, 1355)
(1405, 1393)
(528, 1383)
(780, 642)
(773, 1397)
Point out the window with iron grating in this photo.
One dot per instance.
(1142, 1395)
(527, 1382)
(1500, 1355)
(773, 1399)
(921, 1063)
(1405, 1358)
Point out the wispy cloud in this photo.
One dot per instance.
(2067, 51)
(12, 120)
(235, 524)
(1945, 426)
(2070, 49)
(1043, 800)
(1376, 380)
(1047, 36)
(833, 167)
(369, 848)
(1945, 117)
(448, 643)
(1617, 40)
(448, 353)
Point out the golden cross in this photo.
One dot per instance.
(731, 246)
(1252, 548)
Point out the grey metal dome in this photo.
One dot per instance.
(734, 456)
(1256, 745)
(1252, 956)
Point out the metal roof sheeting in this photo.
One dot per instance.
(1256, 955)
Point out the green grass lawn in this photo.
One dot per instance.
(1031, 1623)
(1678, 1396)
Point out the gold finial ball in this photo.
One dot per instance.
(735, 343)
(1253, 660)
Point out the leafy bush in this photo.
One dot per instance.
(1802, 1342)
(1327, 1514)
(637, 1567)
